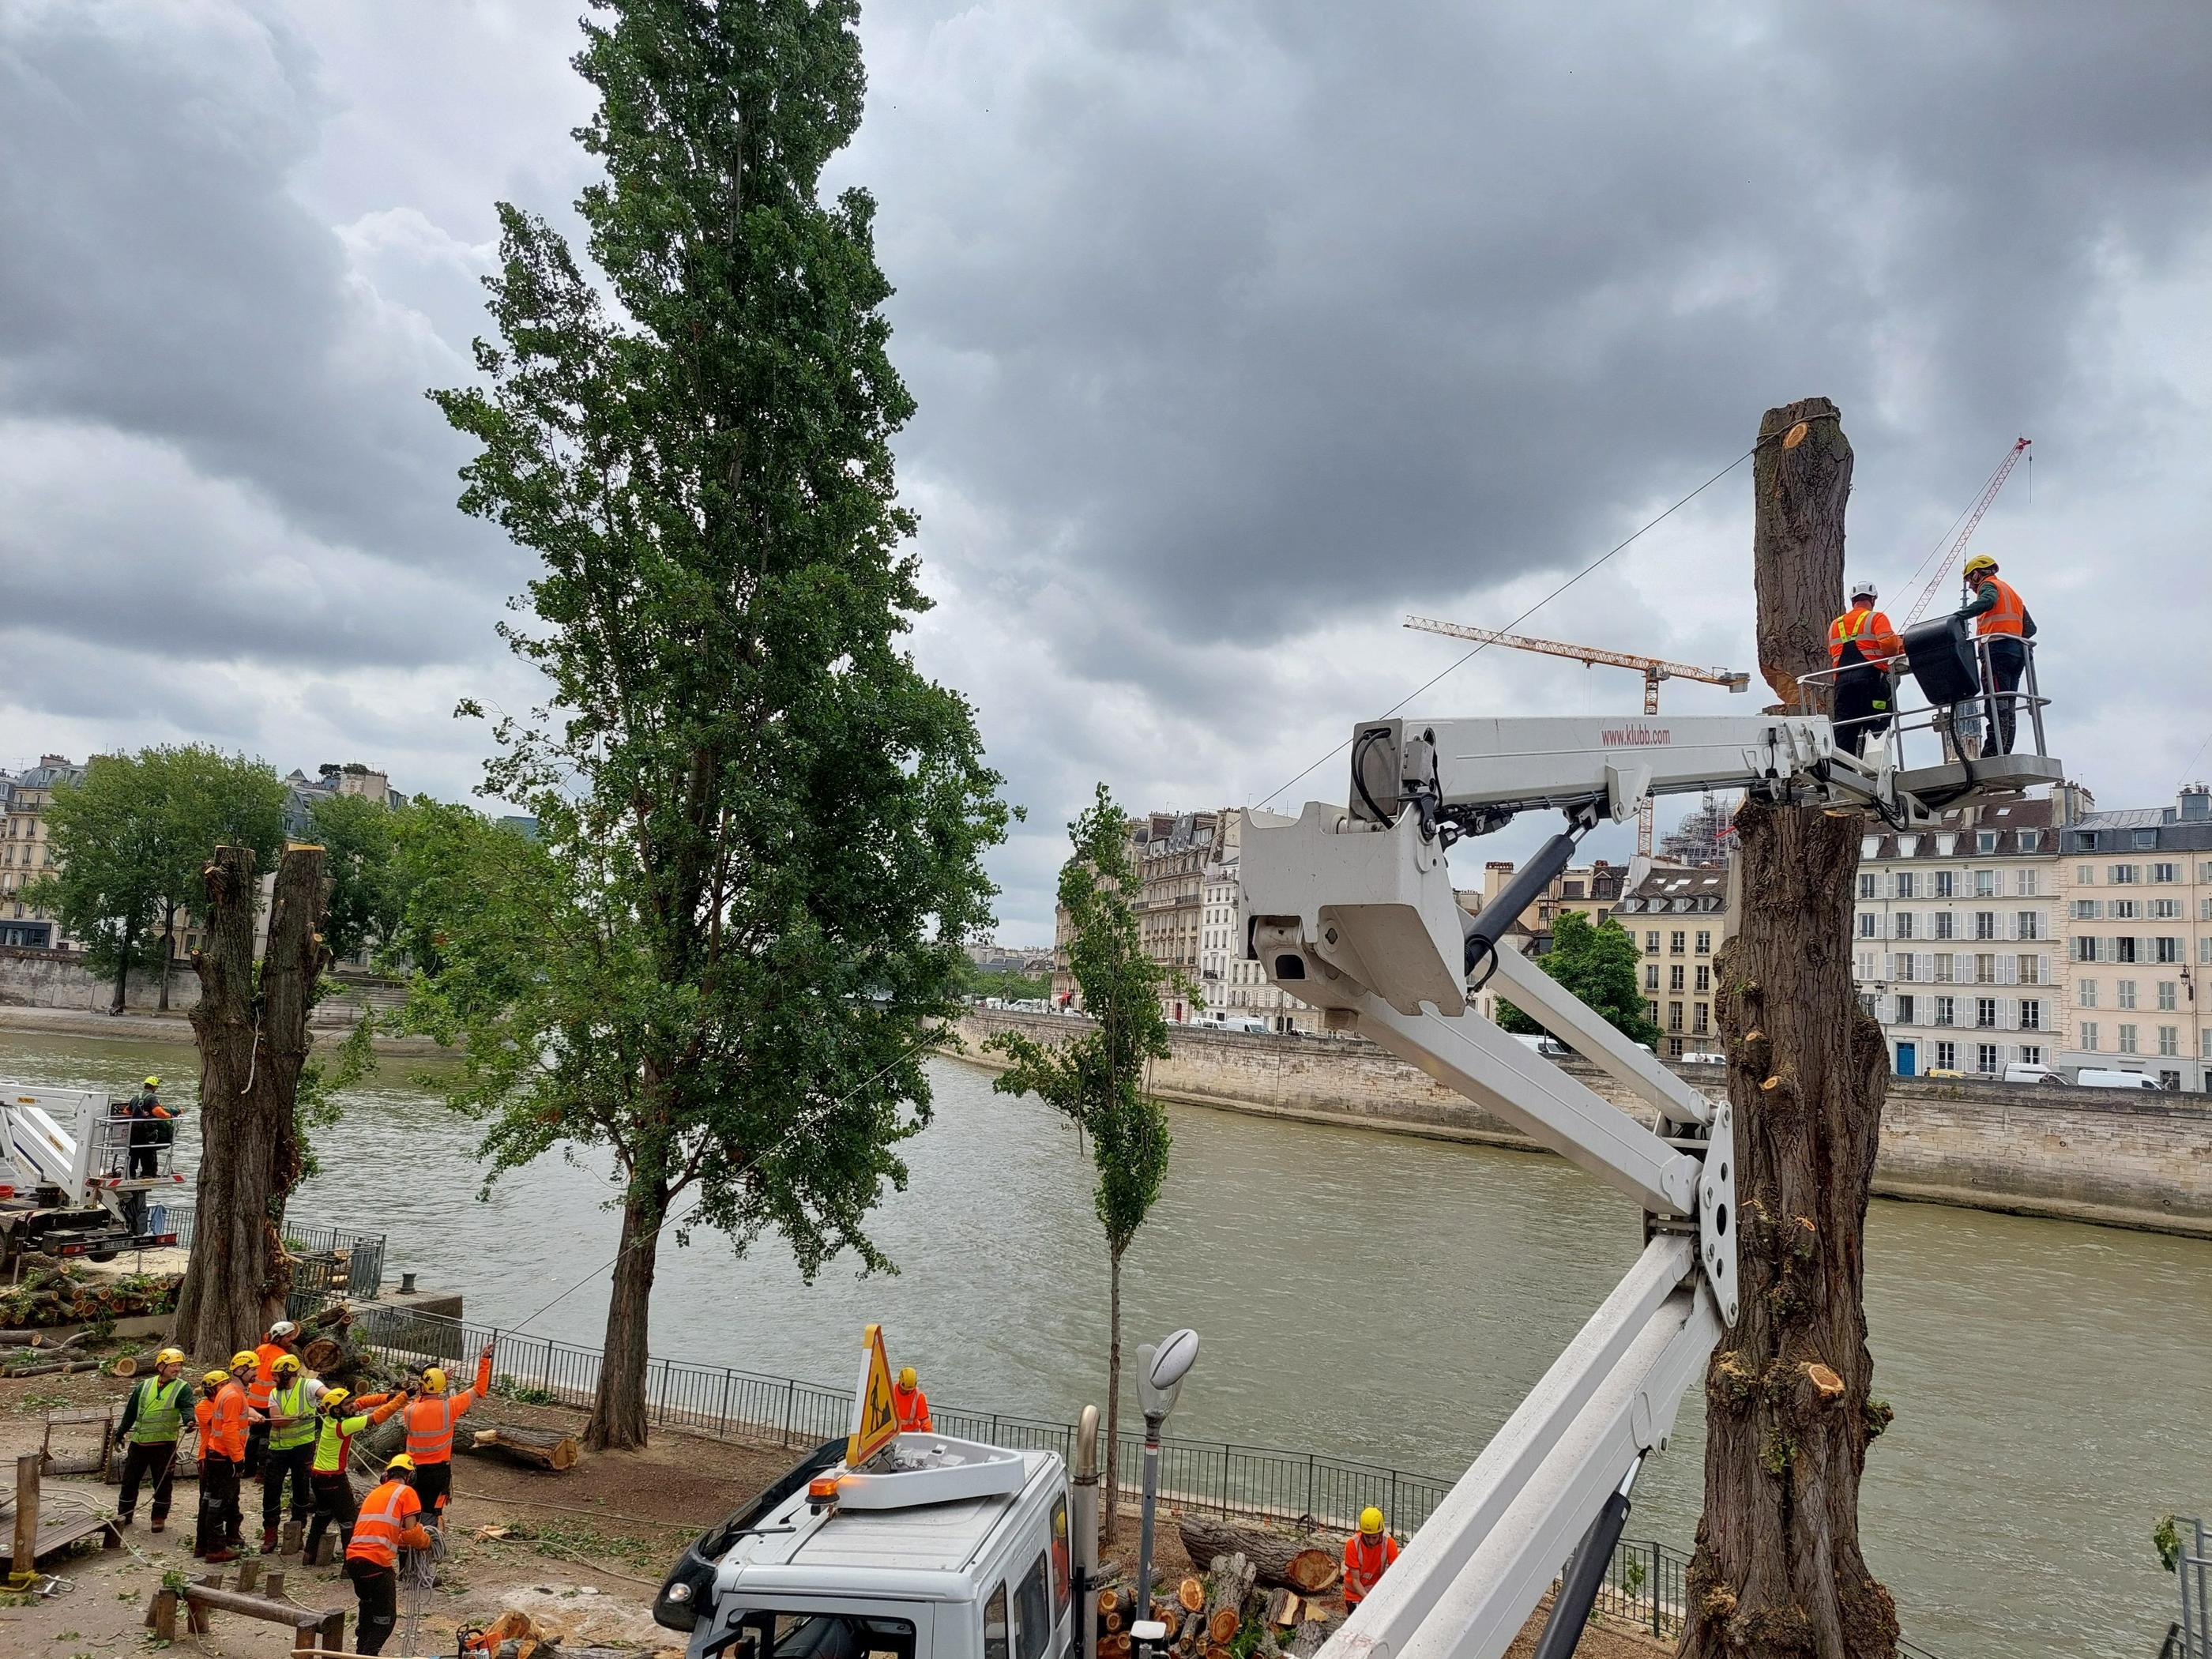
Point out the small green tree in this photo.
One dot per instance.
(1597, 960)
(104, 834)
(762, 827)
(1098, 1078)
(360, 839)
(202, 799)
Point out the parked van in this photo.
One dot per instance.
(2021, 1071)
(2088, 1079)
(1217, 1020)
(1550, 1048)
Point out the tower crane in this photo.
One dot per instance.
(1654, 670)
(1958, 548)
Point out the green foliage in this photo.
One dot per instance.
(1097, 1078)
(133, 836)
(2166, 1539)
(359, 839)
(507, 1388)
(1006, 984)
(759, 826)
(1598, 962)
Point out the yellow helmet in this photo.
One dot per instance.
(1370, 1522)
(215, 1379)
(170, 1357)
(433, 1378)
(152, 1083)
(245, 1357)
(906, 1377)
(335, 1397)
(402, 1464)
(285, 1364)
(1980, 564)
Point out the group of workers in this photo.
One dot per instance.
(264, 1416)
(1866, 650)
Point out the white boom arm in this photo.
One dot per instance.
(1352, 912)
(32, 1123)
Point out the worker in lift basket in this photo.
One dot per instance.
(1368, 1554)
(911, 1404)
(1999, 617)
(150, 1129)
(1862, 646)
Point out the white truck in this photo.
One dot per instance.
(72, 1182)
(940, 1548)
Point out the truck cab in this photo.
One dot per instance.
(940, 1549)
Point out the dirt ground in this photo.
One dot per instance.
(586, 1551)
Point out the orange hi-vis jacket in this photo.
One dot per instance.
(265, 1378)
(1365, 1564)
(1876, 639)
(912, 1406)
(386, 1525)
(430, 1419)
(225, 1432)
(2006, 616)
(202, 1412)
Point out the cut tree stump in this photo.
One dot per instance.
(540, 1449)
(1191, 1593)
(1277, 1557)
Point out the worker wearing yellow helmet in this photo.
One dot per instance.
(1368, 1554)
(291, 1453)
(2001, 622)
(339, 1416)
(223, 1431)
(390, 1522)
(911, 1403)
(431, 1413)
(153, 1422)
(150, 1130)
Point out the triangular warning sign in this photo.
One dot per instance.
(875, 1420)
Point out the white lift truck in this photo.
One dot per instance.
(1351, 911)
(66, 1182)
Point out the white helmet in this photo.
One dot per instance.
(1862, 591)
(281, 1329)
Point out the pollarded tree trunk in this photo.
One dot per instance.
(253, 1043)
(1111, 1508)
(1777, 1569)
(619, 1413)
(169, 955)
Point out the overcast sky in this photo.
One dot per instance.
(1238, 331)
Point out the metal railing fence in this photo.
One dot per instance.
(328, 1263)
(2192, 1564)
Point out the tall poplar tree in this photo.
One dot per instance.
(765, 823)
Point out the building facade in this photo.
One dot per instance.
(1957, 944)
(25, 854)
(1679, 915)
(2135, 888)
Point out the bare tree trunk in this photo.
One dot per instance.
(253, 1043)
(121, 978)
(169, 955)
(1777, 1569)
(1111, 1509)
(618, 1413)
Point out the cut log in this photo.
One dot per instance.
(1230, 1584)
(1191, 1593)
(1216, 1651)
(1109, 1621)
(1113, 1599)
(1223, 1623)
(1307, 1643)
(1277, 1557)
(540, 1449)
(323, 1354)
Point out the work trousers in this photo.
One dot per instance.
(334, 1502)
(145, 1162)
(156, 1458)
(2008, 663)
(299, 1463)
(378, 1587)
(220, 1521)
(256, 1443)
(433, 1484)
(1863, 706)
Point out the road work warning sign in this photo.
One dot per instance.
(875, 1422)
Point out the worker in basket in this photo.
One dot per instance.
(911, 1404)
(1368, 1554)
(1863, 648)
(1994, 606)
(431, 1413)
(339, 1416)
(153, 1422)
(151, 1129)
(389, 1522)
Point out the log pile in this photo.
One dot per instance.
(1295, 1560)
(1248, 1604)
(59, 1296)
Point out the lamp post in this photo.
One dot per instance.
(1160, 1372)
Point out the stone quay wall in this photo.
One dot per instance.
(2117, 1157)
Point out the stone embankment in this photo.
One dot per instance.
(2120, 1158)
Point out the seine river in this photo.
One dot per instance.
(1379, 1299)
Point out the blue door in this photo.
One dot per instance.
(1908, 1056)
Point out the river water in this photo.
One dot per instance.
(1377, 1298)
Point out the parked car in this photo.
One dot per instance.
(2021, 1071)
(1946, 1072)
(2090, 1078)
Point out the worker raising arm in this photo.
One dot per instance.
(431, 1413)
(339, 1418)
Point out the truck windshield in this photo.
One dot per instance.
(764, 1633)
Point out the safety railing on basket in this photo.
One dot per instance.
(1646, 1585)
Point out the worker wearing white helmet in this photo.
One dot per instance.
(1863, 647)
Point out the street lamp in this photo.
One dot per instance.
(1160, 1370)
